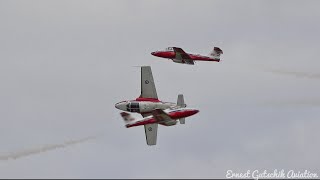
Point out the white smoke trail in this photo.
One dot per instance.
(307, 102)
(295, 73)
(16, 155)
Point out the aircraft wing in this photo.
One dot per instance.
(189, 61)
(148, 88)
(151, 133)
(180, 54)
(151, 129)
(145, 114)
(160, 115)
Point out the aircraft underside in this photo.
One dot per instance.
(178, 61)
(153, 110)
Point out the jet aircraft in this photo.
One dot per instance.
(178, 55)
(153, 110)
(166, 117)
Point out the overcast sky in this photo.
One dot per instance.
(64, 64)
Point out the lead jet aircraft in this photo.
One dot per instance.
(152, 109)
(178, 55)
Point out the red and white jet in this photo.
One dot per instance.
(153, 110)
(166, 117)
(178, 55)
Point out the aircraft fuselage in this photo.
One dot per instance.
(172, 55)
(143, 105)
(174, 114)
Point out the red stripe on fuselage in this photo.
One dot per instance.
(202, 58)
(148, 99)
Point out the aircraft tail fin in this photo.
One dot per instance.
(215, 53)
(127, 118)
(180, 102)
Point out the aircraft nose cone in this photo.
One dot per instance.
(156, 54)
(121, 105)
(196, 111)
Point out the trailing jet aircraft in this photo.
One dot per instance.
(153, 110)
(178, 55)
(166, 117)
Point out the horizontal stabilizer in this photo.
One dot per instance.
(127, 117)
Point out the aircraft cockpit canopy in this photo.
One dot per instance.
(169, 49)
(133, 107)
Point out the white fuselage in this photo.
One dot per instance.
(143, 106)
